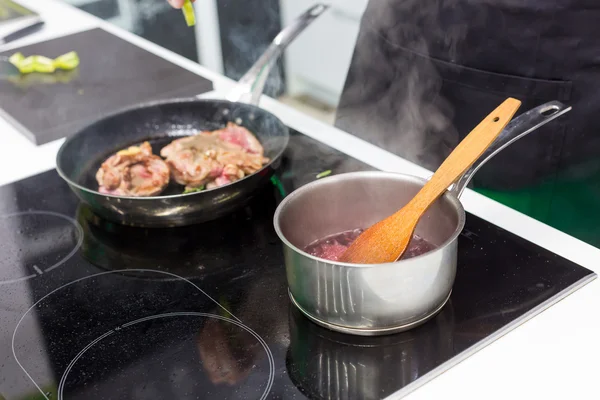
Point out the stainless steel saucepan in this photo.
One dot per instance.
(378, 299)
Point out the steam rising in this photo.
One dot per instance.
(392, 94)
(249, 37)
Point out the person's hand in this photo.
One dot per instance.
(177, 3)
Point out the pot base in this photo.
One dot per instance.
(369, 331)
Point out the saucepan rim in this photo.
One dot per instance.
(138, 106)
(349, 175)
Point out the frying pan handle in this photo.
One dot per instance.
(515, 130)
(251, 85)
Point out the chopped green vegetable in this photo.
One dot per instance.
(67, 61)
(27, 65)
(42, 64)
(277, 183)
(188, 13)
(16, 58)
(324, 174)
(194, 190)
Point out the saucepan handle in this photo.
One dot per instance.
(515, 130)
(251, 85)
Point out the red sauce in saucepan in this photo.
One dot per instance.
(332, 247)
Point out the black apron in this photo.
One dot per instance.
(425, 72)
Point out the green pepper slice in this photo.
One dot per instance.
(323, 174)
(26, 65)
(44, 65)
(188, 13)
(67, 61)
(194, 190)
(16, 59)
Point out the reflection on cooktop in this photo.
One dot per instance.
(330, 365)
(200, 251)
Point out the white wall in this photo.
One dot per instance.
(317, 62)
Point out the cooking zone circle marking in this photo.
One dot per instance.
(61, 385)
(30, 226)
(233, 320)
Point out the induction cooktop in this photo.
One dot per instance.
(94, 310)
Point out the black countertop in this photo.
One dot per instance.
(112, 74)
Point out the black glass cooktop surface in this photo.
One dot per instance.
(93, 310)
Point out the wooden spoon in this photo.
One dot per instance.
(387, 240)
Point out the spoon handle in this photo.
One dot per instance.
(387, 240)
(516, 129)
(465, 154)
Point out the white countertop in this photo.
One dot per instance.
(554, 355)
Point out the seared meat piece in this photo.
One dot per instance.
(213, 159)
(133, 172)
(240, 136)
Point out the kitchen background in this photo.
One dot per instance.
(231, 34)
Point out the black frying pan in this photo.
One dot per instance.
(161, 122)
